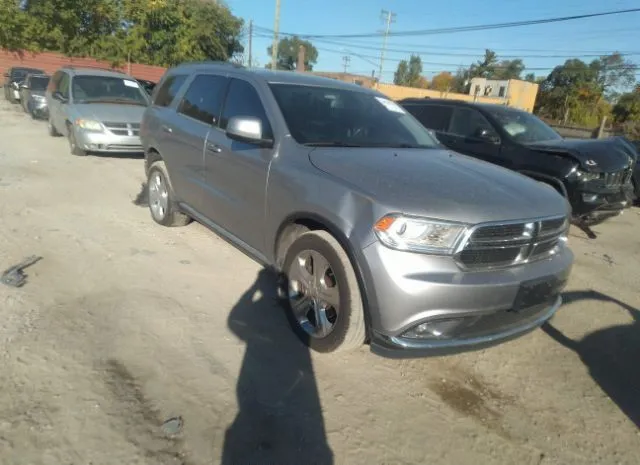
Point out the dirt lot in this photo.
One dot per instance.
(123, 325)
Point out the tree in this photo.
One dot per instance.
(442, 81)
(409, 73)
(287, 56)
(530, 77)
(507, 69)
(486, 67)
(15, 27)
(627, 109)
(614, 74)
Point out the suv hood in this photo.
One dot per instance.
(111, 112)
(440, 184)
(598, 155)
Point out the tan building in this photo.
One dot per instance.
(516, 93)
(365, 81)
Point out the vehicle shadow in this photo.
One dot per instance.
(121, 155)
(612, 354)
(279, 416)
(142, 198)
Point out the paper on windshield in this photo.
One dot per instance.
(131, 84)
(390, 105)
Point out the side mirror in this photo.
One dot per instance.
(57, 95)
(487, 135)
(247, 129)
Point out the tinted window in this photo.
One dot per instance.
(203, 99)
(39, 83)
(243, 100)
(467, 122)
(344, 117)
(167, 92)
(522, 126)
(435, 117)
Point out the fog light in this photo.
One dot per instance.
(589, 198)
(90, 146)
(433, 329)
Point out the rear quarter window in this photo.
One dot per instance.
(167, 91)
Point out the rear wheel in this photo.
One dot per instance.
(162, 204)
(324, 304)
(53, 132)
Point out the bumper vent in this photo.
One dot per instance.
(502, 245)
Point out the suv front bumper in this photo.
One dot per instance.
(468, 310)
(107, 142)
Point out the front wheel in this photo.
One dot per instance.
(73, 144)
(162, 203)
(324, 304)
(53, 132)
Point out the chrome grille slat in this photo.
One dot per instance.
(617, 178)
(502, 245)
(123, 129)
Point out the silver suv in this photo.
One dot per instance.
(98, 110)
(382, 234)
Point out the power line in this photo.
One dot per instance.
(388, 17)
(480, 27)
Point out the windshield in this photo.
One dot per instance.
(107, 89)
(523, 127)
(326, 116)
(39, 83)
(18, 74)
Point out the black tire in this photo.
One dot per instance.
(349, 329)
(73, 143)
(171, 215)
(53, 132)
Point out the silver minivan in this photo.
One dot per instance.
(378, 232)
(99, 111)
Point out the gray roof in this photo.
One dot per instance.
(95, 72)
(280, 77)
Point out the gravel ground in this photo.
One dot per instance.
(136, 344)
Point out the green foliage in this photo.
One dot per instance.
(409, 73)
(442, 81)
(156, 32)
(287, 56)
(627, 109)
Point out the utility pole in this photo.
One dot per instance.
(250, 39)
(276, 28)
(345, 62)
(388, 17)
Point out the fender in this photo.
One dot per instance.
(549, 179)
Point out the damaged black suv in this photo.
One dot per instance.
(595, 175)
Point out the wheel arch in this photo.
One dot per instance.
(315, 222)
(151, 155)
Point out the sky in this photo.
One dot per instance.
(446, 52)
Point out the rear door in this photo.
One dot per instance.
(472, 134)
(196, 114)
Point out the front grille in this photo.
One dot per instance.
(617, 178)
(503, 245)
(123, 129)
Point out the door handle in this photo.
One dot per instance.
(166, 128)
(213, 148)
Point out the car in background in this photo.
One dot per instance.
(377, 232)
(148, 86)
(32, 95)
(594, 175)
(12, 79)
(99, 111)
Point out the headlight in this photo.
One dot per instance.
(585, 176)
(89, 125)
(419, 234)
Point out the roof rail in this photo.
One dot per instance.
(213, 62)
(113, 70)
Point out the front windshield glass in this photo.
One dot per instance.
(18, 74)
(523, 127)
(325, 116)
(107, 89)
(39, 83)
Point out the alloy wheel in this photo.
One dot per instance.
(158, 196)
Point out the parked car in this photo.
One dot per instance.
(12, 79)
(32, 95)
(593, 174)
(99, 111)
(148, 86)
(379, 234)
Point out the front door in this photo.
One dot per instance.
(470, 133)
(237, 171)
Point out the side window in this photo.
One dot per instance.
(414, 110)
(436, 117)
(243, 100)
(167, 92)
(203, 99)
(467, 122)
(63, 86)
